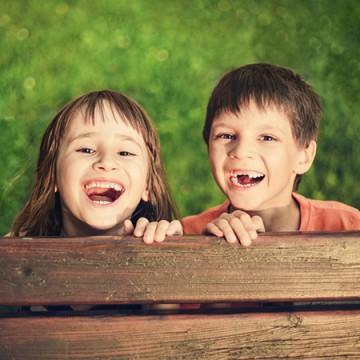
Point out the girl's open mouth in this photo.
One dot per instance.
(103, 193)
(246, 178)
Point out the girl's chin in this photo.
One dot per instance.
(104, 229)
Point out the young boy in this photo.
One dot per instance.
(261, 129)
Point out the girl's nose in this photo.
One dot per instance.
(241, 150)
(105, 163)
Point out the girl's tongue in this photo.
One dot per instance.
(107, 195)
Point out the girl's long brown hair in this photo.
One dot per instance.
(41, 215)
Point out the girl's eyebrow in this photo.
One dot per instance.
(93, 134)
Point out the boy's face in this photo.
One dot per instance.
(255, 158)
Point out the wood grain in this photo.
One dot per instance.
(109, 270)
(303, 335)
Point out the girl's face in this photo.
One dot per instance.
(101, 174)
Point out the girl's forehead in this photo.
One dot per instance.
(101, 119)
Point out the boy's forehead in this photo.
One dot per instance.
(253, 116)
(254, 108)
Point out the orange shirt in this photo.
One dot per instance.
(315, 215)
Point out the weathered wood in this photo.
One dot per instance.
(303, 335)
(278, 267)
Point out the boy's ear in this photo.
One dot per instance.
(306, 158)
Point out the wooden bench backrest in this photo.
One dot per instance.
(277, 268)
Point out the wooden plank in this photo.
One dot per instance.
(303, 335)
(108, 270)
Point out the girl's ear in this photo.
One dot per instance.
(306, 158)
(56, 189)
(145, 195)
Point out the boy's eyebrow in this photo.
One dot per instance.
(92, 134)
(266, 127)
(221, 125)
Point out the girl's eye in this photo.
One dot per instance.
(225, 136)
(86, 150)
(126, 153)
(267, 138)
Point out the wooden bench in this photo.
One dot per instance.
(279, 268)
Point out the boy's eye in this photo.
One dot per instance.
(86, 150)
(126, 153)
(267, 138)
(225, 136)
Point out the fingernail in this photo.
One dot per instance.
(245, 241)
(147, 241)
(232, 239)
(253, 234)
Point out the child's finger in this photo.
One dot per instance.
(227, 230)
(149, 233)
(250, 227)
(175, 228)
(211, 228)
(240, 231)
(259, 224)
(140, 227)
(128, 227)
(160, 231)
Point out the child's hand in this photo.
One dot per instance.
(156, 230)
(237, 226)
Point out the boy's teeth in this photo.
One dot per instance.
(246, 178)
(251, 174)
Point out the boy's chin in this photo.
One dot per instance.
(243, 205)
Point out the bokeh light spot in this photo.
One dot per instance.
(4, 19)
(122, 41)
(22, 34)
(62, 8)
(162, 55)
(29, 83)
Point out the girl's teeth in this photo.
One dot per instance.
(101, 202)
(106, 185)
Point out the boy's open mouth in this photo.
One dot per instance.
(246, 178)
(103, 193)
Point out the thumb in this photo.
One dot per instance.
(128, 227)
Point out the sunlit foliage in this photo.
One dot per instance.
(169, 55)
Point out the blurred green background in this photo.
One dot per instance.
(168, 56)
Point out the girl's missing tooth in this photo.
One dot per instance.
(99, 166)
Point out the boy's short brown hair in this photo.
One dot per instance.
(268, 84)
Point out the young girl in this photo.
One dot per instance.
(99, 172)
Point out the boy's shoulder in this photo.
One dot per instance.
(195, 224)
(320, 215)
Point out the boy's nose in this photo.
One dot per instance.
(241, 149)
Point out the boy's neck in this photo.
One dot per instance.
(285, 218)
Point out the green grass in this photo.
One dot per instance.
(169, 57)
